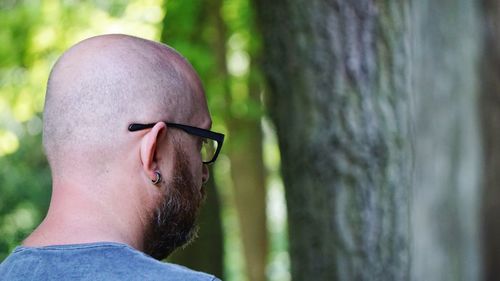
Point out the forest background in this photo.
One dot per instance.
(362, 136)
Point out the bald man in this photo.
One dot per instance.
(126, 133)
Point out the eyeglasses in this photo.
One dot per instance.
(211, 141)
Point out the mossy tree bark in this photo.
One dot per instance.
(339, 84)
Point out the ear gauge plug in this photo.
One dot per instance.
(158, 178)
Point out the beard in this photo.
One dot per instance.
(173, 223)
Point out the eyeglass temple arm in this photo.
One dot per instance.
(137, 127)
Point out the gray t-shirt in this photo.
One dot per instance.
(93, 262)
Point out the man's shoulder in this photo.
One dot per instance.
(101, 261)
(149, 267)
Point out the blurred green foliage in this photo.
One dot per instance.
(25, 191)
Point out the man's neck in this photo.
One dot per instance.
(76, 217)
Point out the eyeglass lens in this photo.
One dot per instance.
(208, 149)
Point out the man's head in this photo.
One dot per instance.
(95, 91)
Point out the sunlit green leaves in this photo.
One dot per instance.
(8, 142)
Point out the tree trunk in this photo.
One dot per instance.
(338, 78)
(247, 172)
(244, 140)
(444, 213)
(247, 164)
(490, 109)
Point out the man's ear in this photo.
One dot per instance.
(149, 144)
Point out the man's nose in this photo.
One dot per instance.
(205, 173)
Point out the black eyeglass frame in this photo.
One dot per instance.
(218, 137)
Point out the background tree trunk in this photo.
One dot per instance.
(338, 79)
(210, 32)
(446, 174)
(245, 154)
(490, 109)
(247, 171)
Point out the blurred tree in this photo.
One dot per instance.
(242, 91)
(490, 116)
(213, 24)
(338, 78)
(445, 133)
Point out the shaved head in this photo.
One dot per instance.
(101, 85)
(111, 182)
